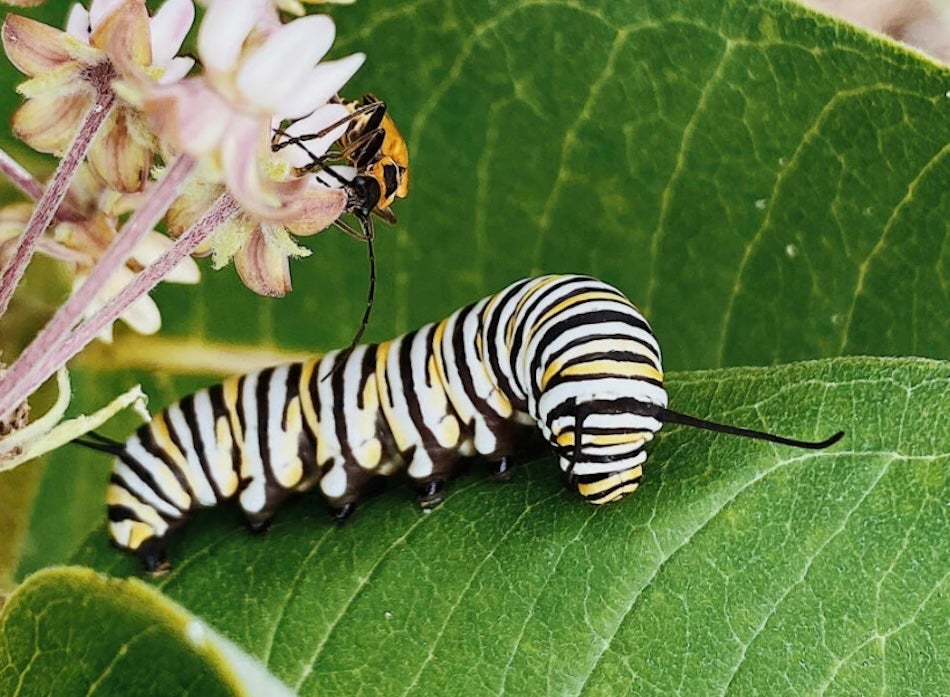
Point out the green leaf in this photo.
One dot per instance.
(767, 184)
(69, 631)
(738, 564)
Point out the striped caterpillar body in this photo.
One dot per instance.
(567, 357)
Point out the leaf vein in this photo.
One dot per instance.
(809, 562)
(311, 662)
(433, 645)
(683, 543)
(291, 591)
(679, 167)
(810, 135)
(551, 573)
(881, 244)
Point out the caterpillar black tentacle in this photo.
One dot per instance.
(669, 416)
(564, 359)
(96, 441)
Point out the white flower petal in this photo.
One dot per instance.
(99, 10)
(328, 115)
(155, 245)
(305, 40)
(120, 278)
(143, 316)
(223, 31)
(323, 117)
(176, 69)
(292, 6)
(152, 246)
(295, 156)
(186, 272)
(344, 172)
(276, 69)
(105, 336)
(324, 81)
(116, 282)
(169, 27)
(77, 24)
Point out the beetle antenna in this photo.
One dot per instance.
(368, 234)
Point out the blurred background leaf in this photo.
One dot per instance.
(71, 631)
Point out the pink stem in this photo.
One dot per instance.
(29, 185)
(221, 210)
(28, 372)
(19, 177)
(47, 206)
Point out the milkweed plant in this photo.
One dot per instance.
(148, 139)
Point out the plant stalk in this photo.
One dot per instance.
(222, 209)
(53, 197)
(31, 369)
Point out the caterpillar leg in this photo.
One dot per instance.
(342, 513)
(500, 470)
(431, 494)
(520, 444)
(154, 556)
(258, 526)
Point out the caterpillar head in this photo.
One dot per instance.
(601, 445)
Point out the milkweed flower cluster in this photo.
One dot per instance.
(145, 136)
(252, 78)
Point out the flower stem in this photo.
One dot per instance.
(221, 210)
(19, 177)
(32, 369)
(29, 185)
(51, 199)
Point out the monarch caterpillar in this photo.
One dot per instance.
(567, 357)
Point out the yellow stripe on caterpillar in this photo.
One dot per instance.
(288, 445)
(222, 466)
(566, 439)
(306, 398)
(230, 390)
(611, 345)
(614, 369)
(571, 302)
(538, 286)
(616, 494)
(618, 483)
(163, 439)
(119, 496)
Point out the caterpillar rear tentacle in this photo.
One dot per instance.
(564, 360)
